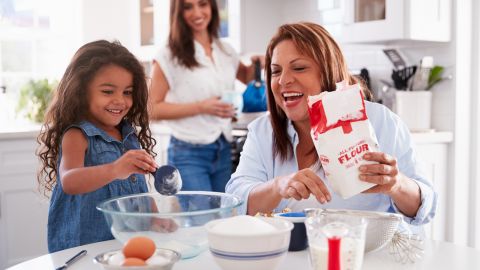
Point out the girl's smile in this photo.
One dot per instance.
(110, 97)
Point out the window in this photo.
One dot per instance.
(33, 44)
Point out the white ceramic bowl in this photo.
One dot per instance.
(170, 256)
(381, 226)
(256, 251)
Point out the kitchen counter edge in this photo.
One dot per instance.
(417, 137)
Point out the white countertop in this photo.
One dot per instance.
(432, 137)
(21, 130)
(438, 256)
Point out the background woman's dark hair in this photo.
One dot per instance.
(180, 39)
(313, 41)
(70, 104)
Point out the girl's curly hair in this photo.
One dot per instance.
(69, 104)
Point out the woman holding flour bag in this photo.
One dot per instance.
(280, 166)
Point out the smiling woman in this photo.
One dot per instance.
(283, 170)
(189, 77)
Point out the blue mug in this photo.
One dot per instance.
(298, 236)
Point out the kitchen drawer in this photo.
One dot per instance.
(23, 210)
(18, 156)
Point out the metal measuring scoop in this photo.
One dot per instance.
(167, 180)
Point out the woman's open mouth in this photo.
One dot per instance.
(292, 96)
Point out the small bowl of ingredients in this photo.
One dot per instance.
(138, 253)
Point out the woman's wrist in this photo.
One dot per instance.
(401, 187)
(275, 186)
(198, 108)
(263, 198)
(407, 196)
(275, 190)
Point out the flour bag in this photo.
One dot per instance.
(342, 134)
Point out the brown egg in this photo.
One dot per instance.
(133, 262)
(139, 247)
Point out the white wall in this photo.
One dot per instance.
(474, 223)
(463, 158)
(299, 10)
(108, 19)
(259, 20)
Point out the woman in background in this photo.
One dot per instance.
(189, 77)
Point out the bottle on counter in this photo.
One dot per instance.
(420, 79)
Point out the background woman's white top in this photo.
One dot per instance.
(190, 85)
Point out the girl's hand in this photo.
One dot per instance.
(214, 106)
(163, 225)
(134, 161)
(385, 174)
(301, 184)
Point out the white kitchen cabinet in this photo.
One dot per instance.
(432, 151)
(161, 133)
(23, 211)
(374, 21)
(151, 24)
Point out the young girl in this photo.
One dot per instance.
(92, 141)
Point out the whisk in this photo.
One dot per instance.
(406, 247)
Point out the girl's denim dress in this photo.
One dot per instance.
(73, 220)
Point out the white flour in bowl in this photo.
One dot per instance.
(243, 225)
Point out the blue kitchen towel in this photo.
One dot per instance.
(254, 98)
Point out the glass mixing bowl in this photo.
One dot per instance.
(173, 222)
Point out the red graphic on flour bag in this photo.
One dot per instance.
(358, 151)
(324, 159)
(342, 134)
